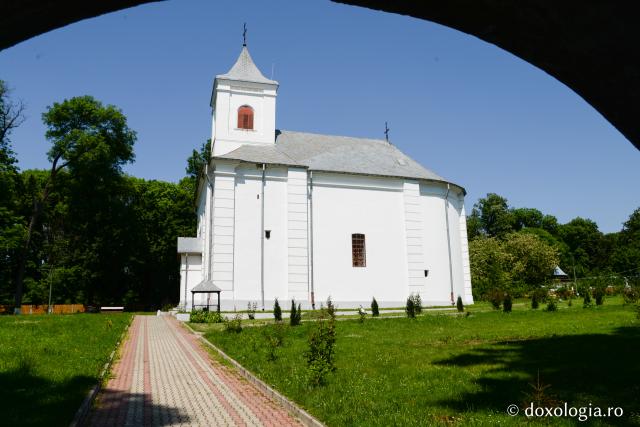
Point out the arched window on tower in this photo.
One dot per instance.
(245, 117)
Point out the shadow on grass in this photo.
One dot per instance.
(29, 400)
(601, 369)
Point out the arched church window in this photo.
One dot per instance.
(245, 117)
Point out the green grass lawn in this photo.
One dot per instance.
(451, 369)
(48, 363)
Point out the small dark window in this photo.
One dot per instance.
(358, 250)
(267, 234)
(426, 273)
(245, 117)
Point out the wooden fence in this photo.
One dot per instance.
(42, 309)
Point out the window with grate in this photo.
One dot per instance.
(358, 250)
(245, 117)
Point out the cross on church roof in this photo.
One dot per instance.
(386, 131)
(244, 35)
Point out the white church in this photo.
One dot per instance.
(293, 215)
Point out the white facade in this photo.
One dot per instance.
(274, 224)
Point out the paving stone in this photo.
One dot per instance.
(165, 378)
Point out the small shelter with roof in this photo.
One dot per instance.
(295, 215)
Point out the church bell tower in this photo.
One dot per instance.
(244, 107)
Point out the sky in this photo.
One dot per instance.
(471, 112)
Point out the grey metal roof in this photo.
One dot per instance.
(191, 245)
(558, 272)
(335, 154)
(205, 286)
(245, 70)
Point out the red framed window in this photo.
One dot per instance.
(245, 117)
(358, 250)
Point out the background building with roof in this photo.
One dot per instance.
(302, 216)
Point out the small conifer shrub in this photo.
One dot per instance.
(534, 301)
(320, 353)
(417, 303)
(459, 304)
(375, 312)
(362, 314)
(277, 311)
(293, 316)
(586, 301)
(551, 305)
(331, 309)
(507, 304)
(251, 310)
(410, 308)
(598, 295)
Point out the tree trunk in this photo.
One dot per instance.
(35, 214)
(22, 261)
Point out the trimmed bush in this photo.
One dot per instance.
(233, 325)
(551, 305)
(203, 316)
(630, 294)
(495, 298)
(507, 303)
(374, 308)
(410, 308)
(277, 311)
(459, 304)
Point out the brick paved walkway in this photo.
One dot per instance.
(164, 377)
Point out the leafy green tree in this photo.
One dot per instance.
(12, 225)
(626, 255)
(92, 142)
(495, 216)
(489, 266)
(550, 224)
(531, 260)
(527, 218)
(583, 239)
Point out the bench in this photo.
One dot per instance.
(112, 309)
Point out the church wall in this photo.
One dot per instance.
(347, 204)
(190, 275)
(436, 256)
(275, 248)
(298, 235)
(247, 244)
(455, 207)
(247, 236)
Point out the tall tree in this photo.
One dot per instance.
(89, 140)
(11, 223)
(197, 160)
(626, 255)
(495, 216)
(584, 240)
(527, 218)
